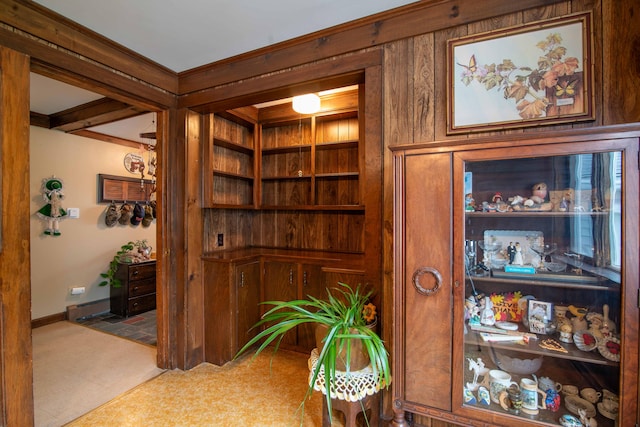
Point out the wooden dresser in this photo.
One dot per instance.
(138, 291)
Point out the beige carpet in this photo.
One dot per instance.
(263, 392)
(77, 369)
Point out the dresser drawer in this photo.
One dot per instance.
(142, 287)
(142, 271)
(142, 304)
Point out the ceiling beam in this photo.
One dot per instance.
(92, 114)
(112, 139)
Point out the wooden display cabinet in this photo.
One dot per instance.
(595, 236)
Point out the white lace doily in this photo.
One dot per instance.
(350, 386)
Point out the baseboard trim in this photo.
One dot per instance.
(48, 320)
(75, 312)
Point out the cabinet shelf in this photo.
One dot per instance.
(232, 175)
(285, 177)
(224, 143)
(524, 280)
(287, 149)
(533, 348)
(230, 206)
(533, 214)
(354, 208)
(333, 145)
(337, 175)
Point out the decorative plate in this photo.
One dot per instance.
(585, 340)
(609, 348)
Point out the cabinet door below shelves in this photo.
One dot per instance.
(247, 278)
(281, 284)
(312, 285)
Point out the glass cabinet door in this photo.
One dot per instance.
(543, 256)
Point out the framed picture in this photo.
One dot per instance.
(532, 75)
(540, 316)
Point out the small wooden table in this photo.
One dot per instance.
(353, 392)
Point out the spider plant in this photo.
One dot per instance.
(343, 314)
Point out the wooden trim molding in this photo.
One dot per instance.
(376, 30)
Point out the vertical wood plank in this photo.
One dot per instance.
(398, 121)
(621, 67)
(16, 369)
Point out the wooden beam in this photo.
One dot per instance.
(345, 72)
(112, 139)
(72, 39)
(93, 113)
(40, 120)
(411, 20)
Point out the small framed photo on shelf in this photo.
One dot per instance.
(530, 75)
(540, 316)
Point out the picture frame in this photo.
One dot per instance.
(532, 75)
(539, 315)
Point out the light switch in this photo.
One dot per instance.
(73, 212)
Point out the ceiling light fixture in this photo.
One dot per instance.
(306, 104)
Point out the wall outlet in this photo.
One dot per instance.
(73, 212)
(220, 239)
(77, 290)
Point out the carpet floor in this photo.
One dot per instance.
(261, 392)
(77, 369)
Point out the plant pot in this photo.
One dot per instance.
(359, 356)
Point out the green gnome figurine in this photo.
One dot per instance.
(52, 212)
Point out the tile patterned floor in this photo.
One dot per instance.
(140, 327)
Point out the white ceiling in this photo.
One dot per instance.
(183, 34)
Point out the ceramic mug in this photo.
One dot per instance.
(610, 405)
(499, 381)
(569, 389)
(511, 399)
(532, 397)
(590, 394)
(547, 383)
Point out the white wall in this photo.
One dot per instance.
(86, 245)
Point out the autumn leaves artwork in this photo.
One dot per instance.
(529, 76)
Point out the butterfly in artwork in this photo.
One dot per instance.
(566, 89)
(472, 67)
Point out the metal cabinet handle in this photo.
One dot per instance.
(242, 279)
(304, 278)
(291, 276)
(416, 280)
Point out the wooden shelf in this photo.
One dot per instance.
(533, 348)
(287, 149)
(337, 175)
(232, 175)
(337, 145)
(354, 208)
(232, 146)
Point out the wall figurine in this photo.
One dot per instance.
(52, 212)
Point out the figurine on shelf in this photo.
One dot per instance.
(469, 203)
(479, 370)
(511, 252)
(487, 317)
(517, 257)
(539, 193)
